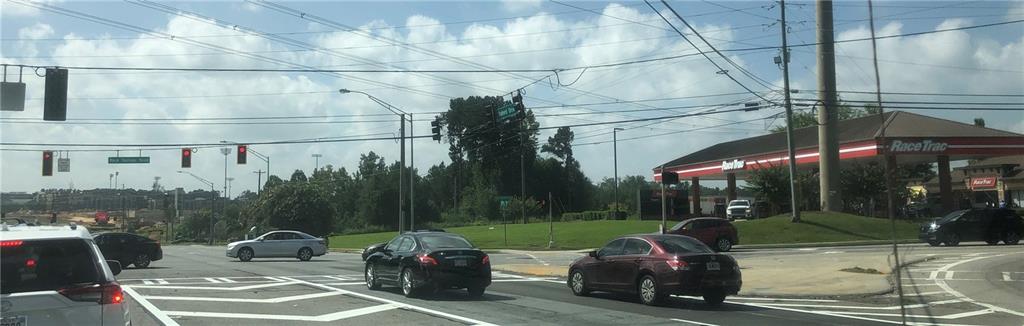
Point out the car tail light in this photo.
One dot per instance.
(426, 260)
(10, 243)
(108, 293)
(678, 265)
(30, 263)
(486, 260)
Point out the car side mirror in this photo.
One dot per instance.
(115, 266)
(593, 253)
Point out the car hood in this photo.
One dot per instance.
(739, 206)
(239, 242)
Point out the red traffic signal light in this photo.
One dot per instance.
(242, 149)
(186, 157)
(47, 163)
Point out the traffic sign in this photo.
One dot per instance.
(63, 165)
(506, 111)
(128, 160)
(504, 200)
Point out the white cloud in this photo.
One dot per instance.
(520, 5)
(37, 31)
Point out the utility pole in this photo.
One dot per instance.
(229, 187)
(225, 151)
(522, 169)
(793, 200)
(551, 223)
(889, 166)
(828, 142)
(316, 163)
(664, 212)
(412, 175)
(615, 160)
(401, 177)
(259, 180)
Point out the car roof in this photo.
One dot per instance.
(20, 232)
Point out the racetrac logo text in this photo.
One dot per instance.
(924, 146)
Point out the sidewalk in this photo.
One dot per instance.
(785, 276)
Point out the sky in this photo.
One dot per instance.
(135, 107)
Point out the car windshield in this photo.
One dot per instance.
(950, 217)
(739, 203)
(681, 245)
(437, 241)
(40, 265)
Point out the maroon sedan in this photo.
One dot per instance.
(717, 233)
(656, 266)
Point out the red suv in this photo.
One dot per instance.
(717, 233)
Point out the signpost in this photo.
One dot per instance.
(128, 160)
(506, 111)
(504, 201)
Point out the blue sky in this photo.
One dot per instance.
(527, 34)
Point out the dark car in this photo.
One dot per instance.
(428, 260)
(655, 266)
(715, 232)
(981, 224)
(129, 248)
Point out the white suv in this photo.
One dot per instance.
(739, 209)
(55, 275)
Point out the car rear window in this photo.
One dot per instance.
(681, 245)
(42, 265)
(444, 241)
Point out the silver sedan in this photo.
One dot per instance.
(278, 244)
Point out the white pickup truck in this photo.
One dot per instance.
(739, 208)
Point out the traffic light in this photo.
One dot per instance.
(47, 163)
(55, 97)
(669, 178)
(186, 157)
(435, 128)
(520, 107)
(242, 149)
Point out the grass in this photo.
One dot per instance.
(815, 227)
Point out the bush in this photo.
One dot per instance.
(593, 216)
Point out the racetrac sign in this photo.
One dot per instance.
(983, 183)
(922, 146)
(733, 165)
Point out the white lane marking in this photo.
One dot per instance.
(779, 299)
(692, 322)
(147, 282)
(243, 277)
(397, 303)
(161, 281)
(537, 259)
(500, 274)
(321, 318)
(274, 279)
(269, 300)
(813, 312)
(949, 275)
(866, 307)
(951, 316)
(216, 288)
(346, 283)
(923, 293)
(338, 278)
(975, 254)
(832, 252)
(1006, 276)
(942, 284)
(149, 307)
(807, 249)
(933, 275)
(226, 280)
(212, 280)
(914, 285)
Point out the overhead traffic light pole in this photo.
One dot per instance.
(213, 199)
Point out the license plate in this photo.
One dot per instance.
(14, 321)
(713, 266)
(460, 263)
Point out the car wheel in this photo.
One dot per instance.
(1011, 238)
(406, 282)
(578, 284)
(934, 243)
(245, 254)
(305, 254)
(371, 277)
(992, 241)
(714, 298)
(723, 244)
(141, 261)
(648, 289)
(475, 292)
(952, 239)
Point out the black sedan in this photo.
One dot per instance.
(129, 249)
(984, 224)
(654, 266)
(428, 261)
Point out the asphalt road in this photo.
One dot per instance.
(197, 285)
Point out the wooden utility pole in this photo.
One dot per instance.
(793, 200)
(828, 142)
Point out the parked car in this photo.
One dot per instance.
(739, 208)
(715, 232)
(281, 243)
(129, 249)
(655, 266)
(978, 224)
(429, 260)
(56, 275)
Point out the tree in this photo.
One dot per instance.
(298, 206)
(770, 184)
(560, 145)
(810, 118)
(298, 175)
(272, 181)
(980, 122)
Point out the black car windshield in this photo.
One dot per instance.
(41, 265)
(950, 217)
(681, 245)
(439, 241)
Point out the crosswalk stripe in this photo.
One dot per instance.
(212, 280)
(147, 282)
(949, 275)
(161, 281)
(339, 278)
(1006, 276)
(226, 280)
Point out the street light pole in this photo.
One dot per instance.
(615, 160)
(412, 177)
(213, 200)
(259, 180)
(265, 158)
(401, 170)
(316, 163)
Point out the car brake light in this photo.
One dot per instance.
(30, 263)
(678, 265)
(10, 243)
(486, 260)
(108, 293)
(426, 260)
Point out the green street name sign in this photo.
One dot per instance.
(506, 111)
(128, 160)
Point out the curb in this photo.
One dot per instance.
(825, 244)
